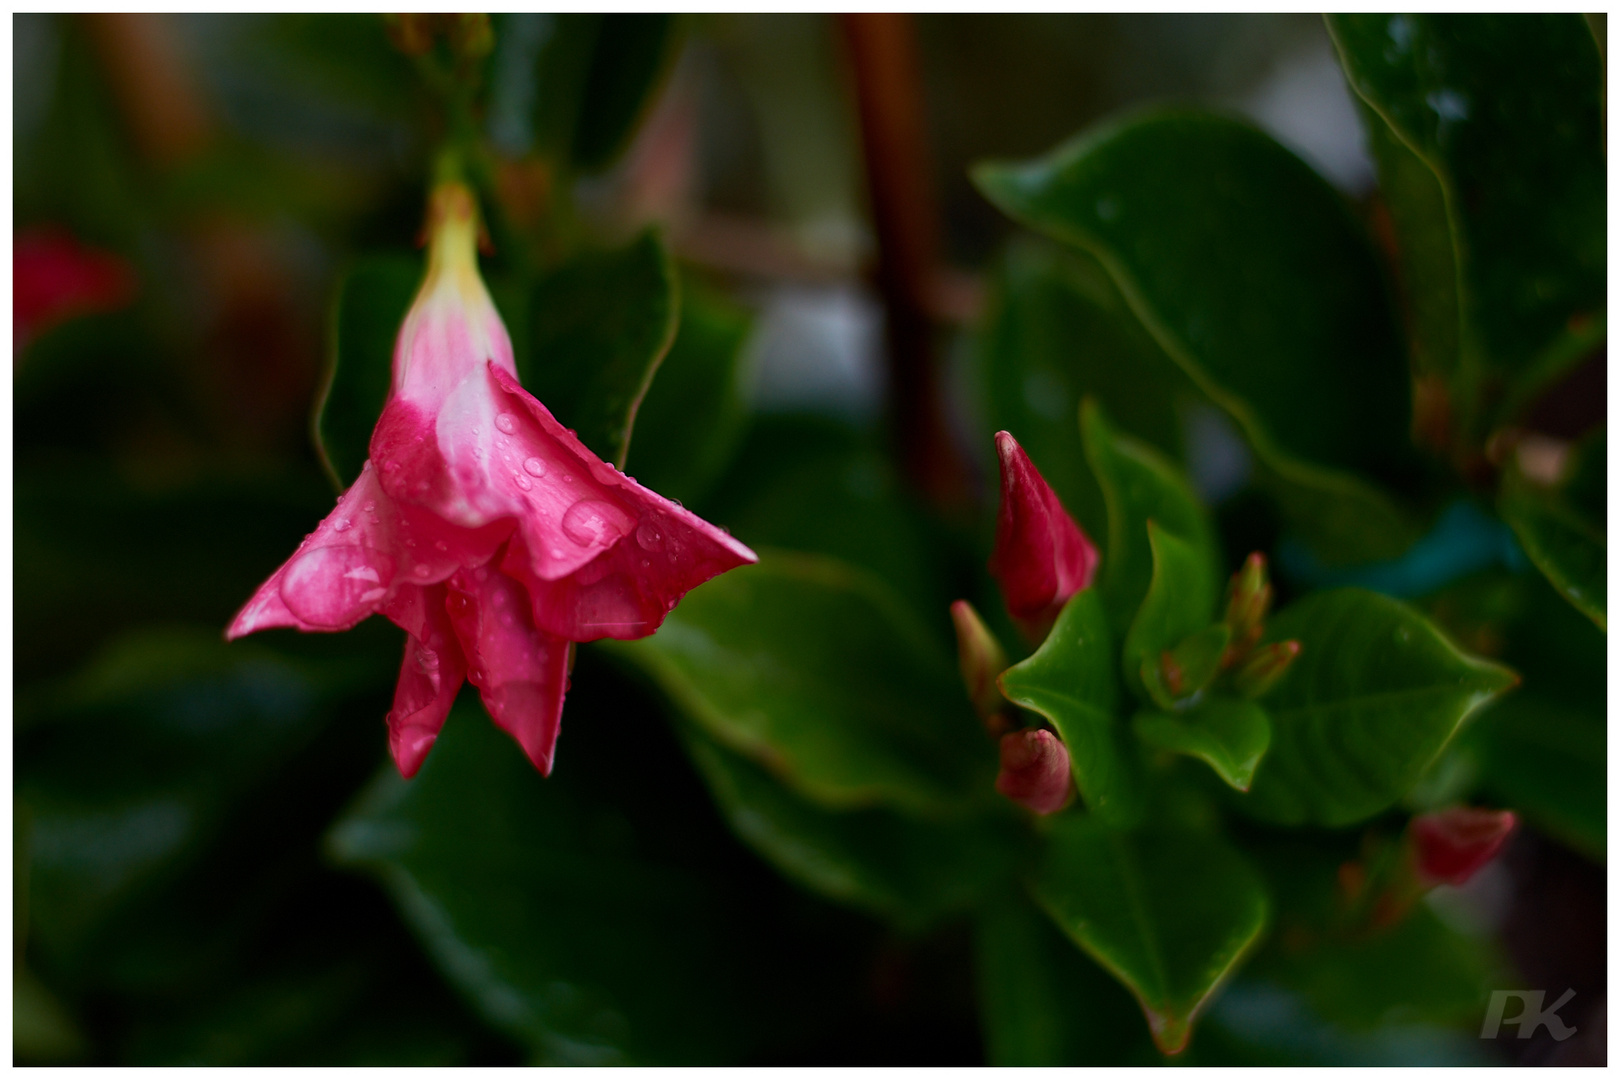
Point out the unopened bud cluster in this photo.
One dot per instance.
(1230, 647)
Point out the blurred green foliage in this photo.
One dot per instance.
(772, 835)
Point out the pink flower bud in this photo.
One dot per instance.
(54, 277)
(483, 527)
(1042, 556)
(1451, 846)
(1035, 770)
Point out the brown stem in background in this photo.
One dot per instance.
(888, 90)
(151, 83)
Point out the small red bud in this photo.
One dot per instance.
(982, 659)
(1042, 556)
(1264, 667)
(1248, 600)
(1035, 770)
(1451, 846)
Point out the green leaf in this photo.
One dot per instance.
(1254, 278)
(371, 305)
(1055, 331)
(1128, 900)
(1071, 681)
(811, 483)
(1230, 735)
(692, 418)
(909, 870)
(632, 51)
(596, 931)
(1489, 136)
(1180, 602)
(1565, 545)
(815, 670)
(599, 326)
(1044, 1002)
(1547, 760)
(1139, 485)
(137, 764)
(1374, 696)
(594, 74)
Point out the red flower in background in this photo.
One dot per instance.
(1451, 846)
(54, 278)
(1042, 556)
(483, 527)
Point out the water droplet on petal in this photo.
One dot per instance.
(507, 423)
(440, 545)
(336, 585)
(422, 570)
(342, 525)
(593, 523)
(427, 661)
(567, 479)
(369, 506)
(534, 467)
(523, 481)
(649, 536)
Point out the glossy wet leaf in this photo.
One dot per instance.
(594, 930)
(371, 306)
(1489, 137)
(1180, 602)
(1375, 694)
(1071, 681)
(1138, 485)
(1564, 544)
(692, 418)
(1255, 279)
(1123, 897)
(815, 670)
(1230, 735)
(811, 483)
(1044, 1002)
(910, 870)
(598, 328)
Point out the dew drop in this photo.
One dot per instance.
(335, 586)
(507, 423)
(343, 525)
(369, 506)
(523, 481)
(649, 536)
(427, 661)
(422, 569)
(567, 479)
(593, 523)
(440, 545)
(534, 467)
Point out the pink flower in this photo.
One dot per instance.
(483, 527)
(1035, 770)
(1042, 557)
(1451, 846)
(55, 278)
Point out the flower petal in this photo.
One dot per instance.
(641, 552)
(521, 672)
(340, 574)
(432, 673)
